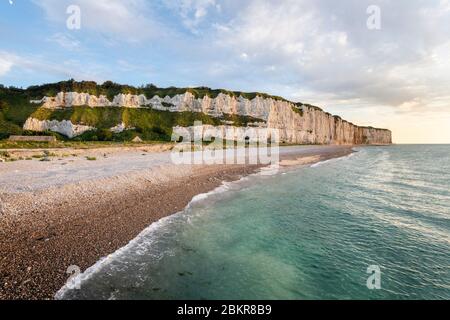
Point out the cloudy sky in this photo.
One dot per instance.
(316, 51)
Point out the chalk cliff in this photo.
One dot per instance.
(64, 127)
(296, 122)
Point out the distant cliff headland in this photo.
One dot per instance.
(87, 111)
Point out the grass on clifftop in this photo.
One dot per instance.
(298, 109)
(111, 89)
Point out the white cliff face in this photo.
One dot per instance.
(314, 126)
(121, 127)
(230, 133)
(222, 104)
(71, 99)
(308, 125)
(64, 127)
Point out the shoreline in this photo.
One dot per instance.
(46, 230)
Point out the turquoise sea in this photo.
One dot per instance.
(308, 233)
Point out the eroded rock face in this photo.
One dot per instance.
(71, 99)
(64, 127)
(230, 133)
(121, 127)
(296, 124)
(315, 126)
(222, 104)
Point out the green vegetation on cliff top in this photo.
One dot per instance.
(111, 89)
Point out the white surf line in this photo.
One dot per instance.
(320, 163)
(77, 281)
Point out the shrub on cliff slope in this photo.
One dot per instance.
(153, 124)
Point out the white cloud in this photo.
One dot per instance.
(327, 49)
(6, 63)
(32, 64)
(192, 12)
(66, 41)
(130, 20)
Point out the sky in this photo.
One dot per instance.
(383, 63)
